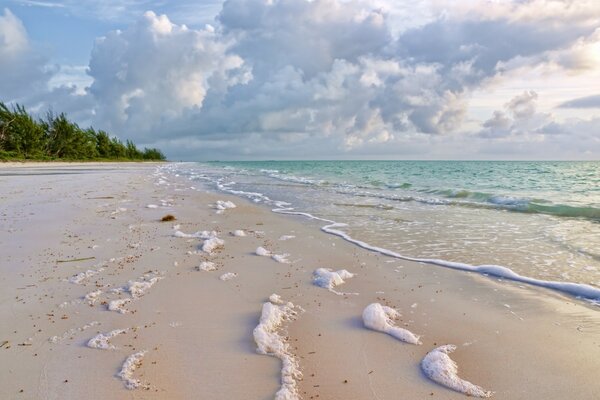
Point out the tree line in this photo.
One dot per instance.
(55, 137)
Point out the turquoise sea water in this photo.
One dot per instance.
(540, 219)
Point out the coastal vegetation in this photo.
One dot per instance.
(23, 137)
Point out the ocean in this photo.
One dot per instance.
(536, 222)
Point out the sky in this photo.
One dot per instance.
(319, 79)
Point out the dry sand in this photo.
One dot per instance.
(197, 330)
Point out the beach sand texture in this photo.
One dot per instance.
(78, 240)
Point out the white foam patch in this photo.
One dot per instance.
(71, 332)
(92, 297)
(276, 299)
(80, 278)
(440, 368)
(212, 244)
(286, 237)
(261, 251)
(139, 288)
(196, 235)
(119, 305)
(228, 276)
(329, 279)
(132, 363)
(151, 206)
(102, 340)
(270, 342)
(119, 210)
(206, 266)
(281, 258)
(381, 318)
(238, 233)
(224, 205)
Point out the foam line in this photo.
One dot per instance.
(269, 342)
(238, 233)
(72, 332)
(580, 290)
(440, 368)
(381, 318)
(132, 363)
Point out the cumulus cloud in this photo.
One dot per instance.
(541, 134)
(583, 102)
(155, 71)
(323, 77)
(22, 69)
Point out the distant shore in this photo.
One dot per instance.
(106, 301)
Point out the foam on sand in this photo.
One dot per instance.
(261, 251)
(270, 342)
(80, 278)
(132, 363)
(328, 279)
(381, 318)
(196, 235)
(206, 266)
(102, 340)
(139, 288)
(136, 289)
(151, 206)
(212, 244)
(227, 276)
(238, 233)
(281, 258)
(71, 332)
(286, 237)
(119, 305)
(224, 205)
(92, 297)
(440, 368)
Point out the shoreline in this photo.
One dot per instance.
(197, 329)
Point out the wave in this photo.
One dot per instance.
(579, 290)
(450, 197)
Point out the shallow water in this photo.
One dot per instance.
(540, 219)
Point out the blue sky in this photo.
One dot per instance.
(278, 79)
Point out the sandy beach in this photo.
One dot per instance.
(178, 310)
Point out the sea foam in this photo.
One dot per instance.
(440, 368)
(381, 318)
(261, 251)
(132, 363)
(206, 266)
(228, 276)
(328, 279)
(212, 244)
(270, 342)
(102, 340)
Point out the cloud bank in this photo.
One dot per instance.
(331, 78)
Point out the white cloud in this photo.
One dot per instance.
(315, 78)
(22, 70)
